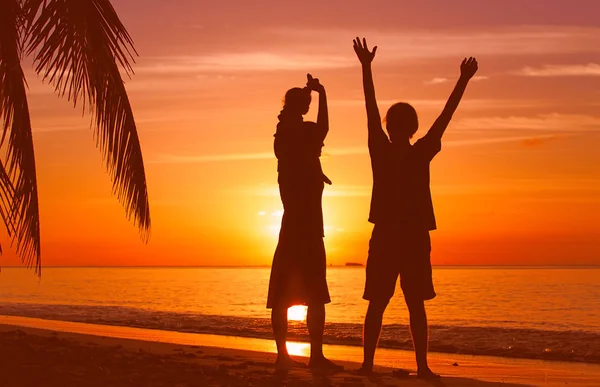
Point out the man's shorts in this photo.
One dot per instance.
(396, 251)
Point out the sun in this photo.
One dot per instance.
(297, 313)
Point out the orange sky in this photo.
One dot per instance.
(517, 181)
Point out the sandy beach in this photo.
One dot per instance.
(46, 357)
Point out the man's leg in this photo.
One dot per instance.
(371, 332)
(419, 331)
(417, 286)
(380, 283)
(420, 336)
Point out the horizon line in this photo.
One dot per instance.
(353, 265)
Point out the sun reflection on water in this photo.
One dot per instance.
(297, 313)
(298, 349)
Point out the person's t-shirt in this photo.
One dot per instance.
(298, 149)
(401, 193)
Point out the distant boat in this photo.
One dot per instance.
(354, 264)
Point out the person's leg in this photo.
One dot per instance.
(418, 330)
(279, 322)
(371, 332)
(420, 336)
(417, 285)
(315, 320)
(380, 284)
(317, 295)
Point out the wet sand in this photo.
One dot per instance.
(43, 357)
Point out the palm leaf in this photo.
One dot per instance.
(7, 193)
(78, 46)
(18, 186)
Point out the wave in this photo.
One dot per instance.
(568, 345)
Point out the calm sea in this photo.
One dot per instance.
(549, 313)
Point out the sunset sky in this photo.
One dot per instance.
(517, 181)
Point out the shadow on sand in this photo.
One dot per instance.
(348, 378)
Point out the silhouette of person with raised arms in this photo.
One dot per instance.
(401, 211)
(298, 273)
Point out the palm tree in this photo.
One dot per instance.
(78, 47)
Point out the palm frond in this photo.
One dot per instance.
(18, 185)
(79, 46)
(7, 193)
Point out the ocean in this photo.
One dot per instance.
(535, 312)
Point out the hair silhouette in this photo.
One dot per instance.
(401, 121)
(297, 101)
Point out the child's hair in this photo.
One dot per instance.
(402, 116)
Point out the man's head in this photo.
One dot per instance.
(401, 121)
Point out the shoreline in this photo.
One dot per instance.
(458, 370)
(268, 265)
(509, 343)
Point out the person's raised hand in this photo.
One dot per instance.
(362, 51)
(314, 84)
(468, 68)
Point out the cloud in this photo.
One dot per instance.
(436, 81)
(198, 159)
(59, 128)
(298, 49)
(420, 44)
(590, 69)
(533, 142)
(331, 191)
(466, 104)
(513, 185)
(248, 61)
(554, 122)
(349, 151)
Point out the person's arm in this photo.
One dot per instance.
(468, 68)
(323, 115)
(373, 118)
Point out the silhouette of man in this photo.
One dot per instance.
(401, 211)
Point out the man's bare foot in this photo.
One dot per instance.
(324, 364)
(284, 363)
(427, 374)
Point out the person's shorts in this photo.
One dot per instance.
(394, 252)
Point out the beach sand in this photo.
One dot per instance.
(44, 357)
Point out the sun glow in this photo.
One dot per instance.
(274, 230)
(297, 313)
(298, 349)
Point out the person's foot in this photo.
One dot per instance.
(284, 363)
(427, 374)
(324, 364)
(365, 370)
